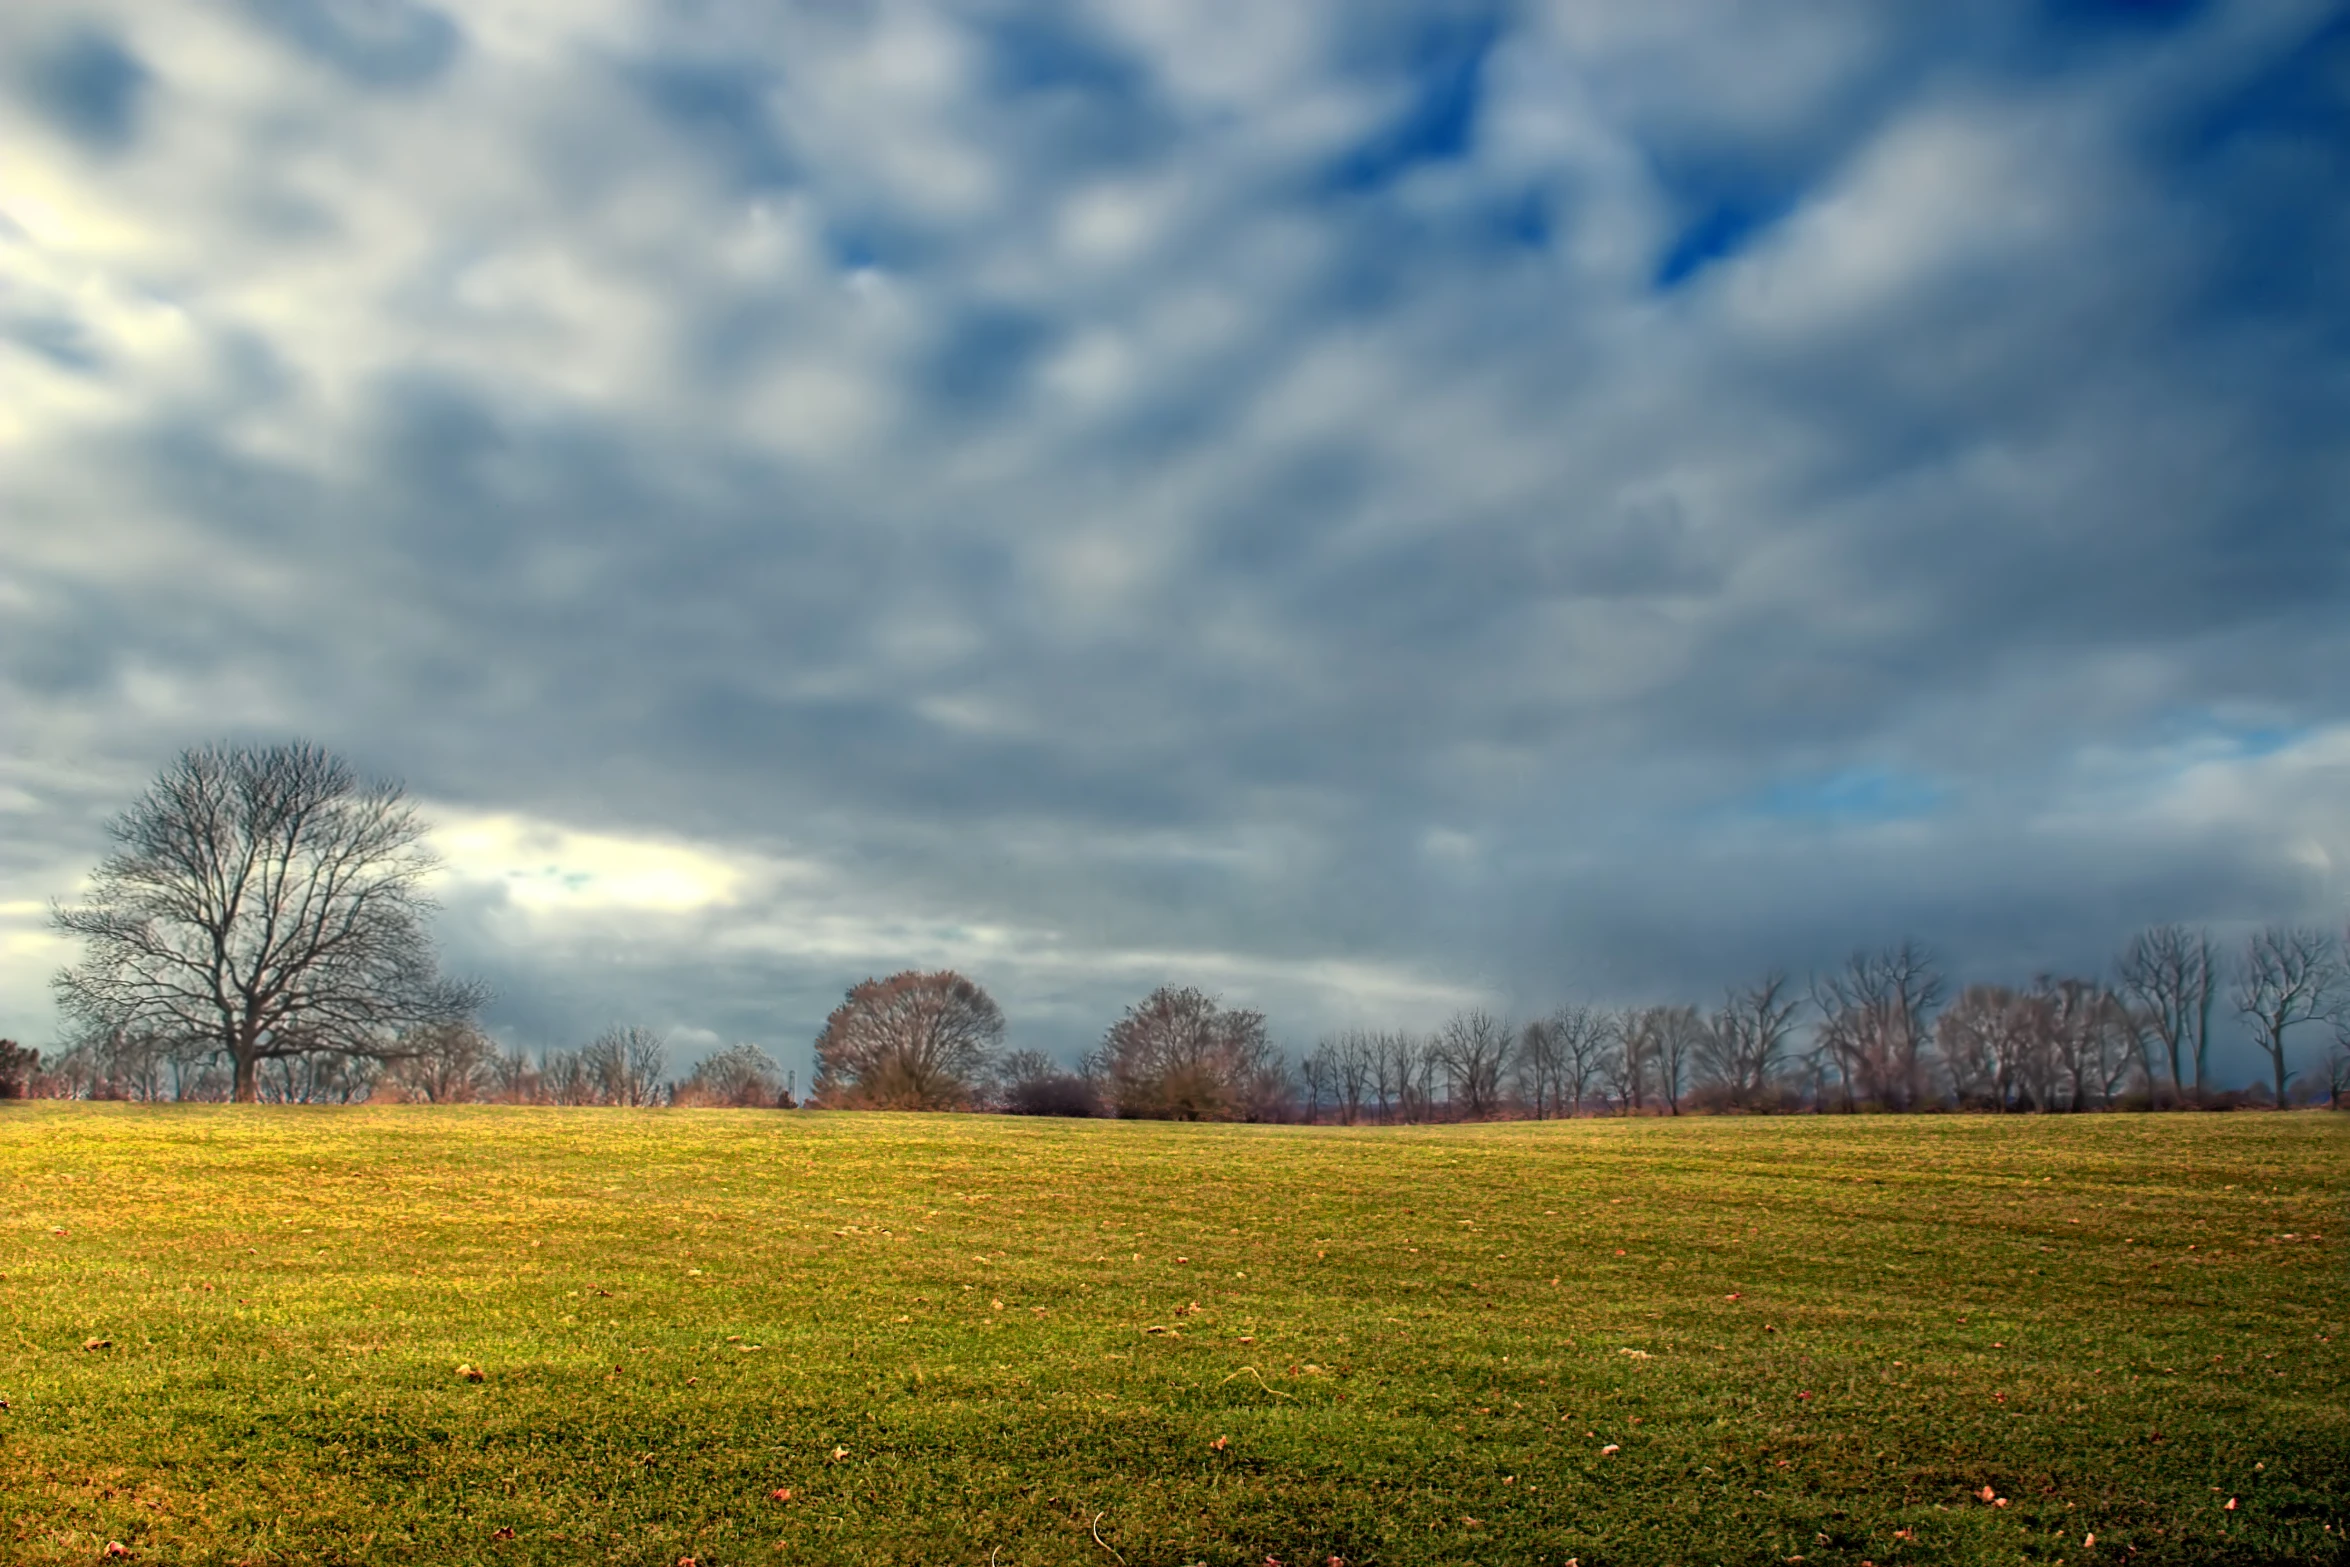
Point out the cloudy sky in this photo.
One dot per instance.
(1364, 507)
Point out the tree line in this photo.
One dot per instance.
(259, 933)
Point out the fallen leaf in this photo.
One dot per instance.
(839, 1453)
(1221, 1443)
(1803, 1395)
(502, 1532)
(995, 1305)
(1610, 1448)
(97, 1343)
(1187, 1259)
(781, 1493)
(2089, 1542)
(1733, 1295)
(469, 1372)
(115, 1548)
(1986, 1493)
(2231, 1507)
(1905, 1534)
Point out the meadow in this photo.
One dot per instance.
(395, 1334)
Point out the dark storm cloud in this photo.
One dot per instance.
(89, 86)
(375, 43)
(1361, 510)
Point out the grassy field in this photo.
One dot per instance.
(234, 1335)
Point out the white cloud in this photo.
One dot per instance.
(550, 869)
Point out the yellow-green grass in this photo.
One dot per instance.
(984, 1340)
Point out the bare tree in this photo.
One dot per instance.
(1624, 1060)
(1394, 1066)
(1318, 1075)
(2090, 1035)
(264, 903)
(625, 1065)
(1474, 1048)
(1351, 1059)
(321, 1077)
(565, 1080)
(1340, 1067)
(2286, 978)
(1747, 1042)
(1874, 1017)
(121, 1064)
(909, 1042)
(513, 1079)
(1403, 1074)
(1537, 1063)
(1987, 1040)
(444, 1063)
(1580, 1035)
(1179, 1054)
(18, 1067)
(2172, 974)
(1676, 1033)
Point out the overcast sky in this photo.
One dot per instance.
(1363, 507)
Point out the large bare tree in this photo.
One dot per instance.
(2286, 977)
(262, 903)
(2171, 974)
(909, 1042)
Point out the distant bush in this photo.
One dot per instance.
(740, 1076)
(18, 1067)
(1063, 1094)
(1178, 1055)
(912, 1041)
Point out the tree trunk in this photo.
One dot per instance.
(248, 1085)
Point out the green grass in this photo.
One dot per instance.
(936, 1333)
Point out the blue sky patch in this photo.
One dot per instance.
(1858, 797)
